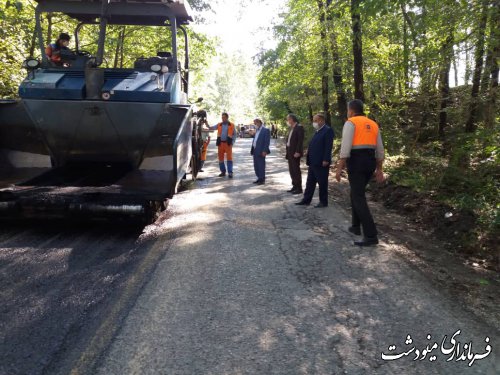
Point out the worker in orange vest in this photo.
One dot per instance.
(362, 151)
(53, 50)
(226, 131)
(204, 151)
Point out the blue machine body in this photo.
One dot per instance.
(126, 85)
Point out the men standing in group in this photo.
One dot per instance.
(259, 151)
(226, 132)
(294, 152)
(319, 158)
(362, 151)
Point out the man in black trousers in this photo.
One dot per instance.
(294, 152)
(362, 151)
(319, 158)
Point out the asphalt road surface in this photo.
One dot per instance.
(234, 279)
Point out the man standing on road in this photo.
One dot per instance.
(274, 132)
(294, 151)
(319, 158)
(363, 152)
(260, 149)
(226, 133)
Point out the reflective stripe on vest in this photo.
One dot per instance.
(365, 133)
(230, 130)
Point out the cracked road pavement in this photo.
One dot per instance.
(233, 279)
(252, 284)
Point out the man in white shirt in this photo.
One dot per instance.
(362, 152)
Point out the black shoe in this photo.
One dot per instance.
(261, 182)
(355, 230)
(302, 203)
(367, 242)
(291, 190)
(296, 192)
(230, 175)
(201, 170)
(222, 175)
(321, 205)
(256, 181)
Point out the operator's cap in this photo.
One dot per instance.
(64, 36)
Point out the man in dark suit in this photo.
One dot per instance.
(294, 151)
(260, 149)
(319, 158)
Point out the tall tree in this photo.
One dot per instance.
(470, 125)
(490, 49)
(406, 49)
(50, 23)
(492, 69)
(325, 90)
(336, 65)
(444, 81)
(357, 50)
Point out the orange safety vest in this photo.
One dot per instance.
(53, 52)
(365, 133)
(230, 130)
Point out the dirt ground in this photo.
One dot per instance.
(474, 282)
(404, 218)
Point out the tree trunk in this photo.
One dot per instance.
(122, 47)
(455, 70)
(444, 81)
(325, 90)
(406, 52)
(33, 44)
(337, 69)
(467, 64)
(357, 49)
(338, 81)
(491, 107)
(470, 125)
(118, 61)
(49, 28)
(485, 80)
(117, 51)
(492, 41)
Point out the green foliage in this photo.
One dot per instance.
(229, 86)
(468, 179)
(407, 45)
(16, 35)
(123, 44)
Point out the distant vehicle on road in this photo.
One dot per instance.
(250, 131)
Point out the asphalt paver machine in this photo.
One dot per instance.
(88, 141)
